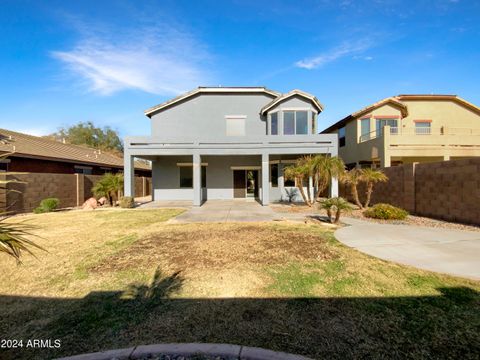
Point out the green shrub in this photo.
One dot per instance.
(127, 202)
(47, 205)
(385, 212)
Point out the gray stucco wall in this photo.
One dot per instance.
(166, 178)
(204, 115)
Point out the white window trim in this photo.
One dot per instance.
(235, 116)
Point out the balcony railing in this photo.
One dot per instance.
(421, 131)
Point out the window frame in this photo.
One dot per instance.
(180, 177)
(387, 120)
(295, 126)
(276, 113)
(422, 124)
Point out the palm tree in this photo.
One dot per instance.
(13, 237)
(109, 186)
(306, 163)
(371, 177)
(352, 178)
(297, 173)
(337, 205)
(324, 168)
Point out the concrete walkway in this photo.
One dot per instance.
(228, 211)
(454, 252)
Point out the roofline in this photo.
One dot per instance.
(439, 97)
(288, 95)
(367, 109)
(400, 98)
(66, 160)
(205, 89)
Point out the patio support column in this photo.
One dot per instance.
(265, 179)
(128, 174)
(197, 180)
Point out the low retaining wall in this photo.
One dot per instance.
(447, 190)
(26, 190)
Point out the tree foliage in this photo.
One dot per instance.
(86, 133)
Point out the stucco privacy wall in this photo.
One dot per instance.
(29, 189)
(447, 190)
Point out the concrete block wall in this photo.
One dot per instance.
(28, 189)
(447, 190)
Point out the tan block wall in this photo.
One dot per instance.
(71, 189)
(447, 190)
(31, 188)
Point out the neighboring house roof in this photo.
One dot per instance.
(396, 101)
(217, 90)
(29, 146)
(296, 92)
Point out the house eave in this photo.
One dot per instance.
(211, 90)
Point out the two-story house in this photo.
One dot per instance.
(409, 128)
(228, 143)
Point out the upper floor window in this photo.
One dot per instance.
(422, 127)
(295, 122)
(380, 123)
(365, 126)
(341, 136)
(235, 125)
(274, 124)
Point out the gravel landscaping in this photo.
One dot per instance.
(357, 214)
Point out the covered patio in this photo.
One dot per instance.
(197, 171)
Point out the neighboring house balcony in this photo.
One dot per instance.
(224, 167)
(389, 145)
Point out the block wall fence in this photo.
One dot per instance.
(28, 189)
(447, 190)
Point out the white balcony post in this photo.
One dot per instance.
(265, 179)
(197, 180)
(128, 174)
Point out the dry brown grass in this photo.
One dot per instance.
(285, 286)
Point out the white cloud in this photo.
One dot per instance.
(163, 62)
(345, 49)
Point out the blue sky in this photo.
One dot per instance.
(62, 62)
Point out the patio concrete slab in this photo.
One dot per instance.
(454, 252)
(228, 211)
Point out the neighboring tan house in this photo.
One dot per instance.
(29, 153)
(228, 142)
(409, 128)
